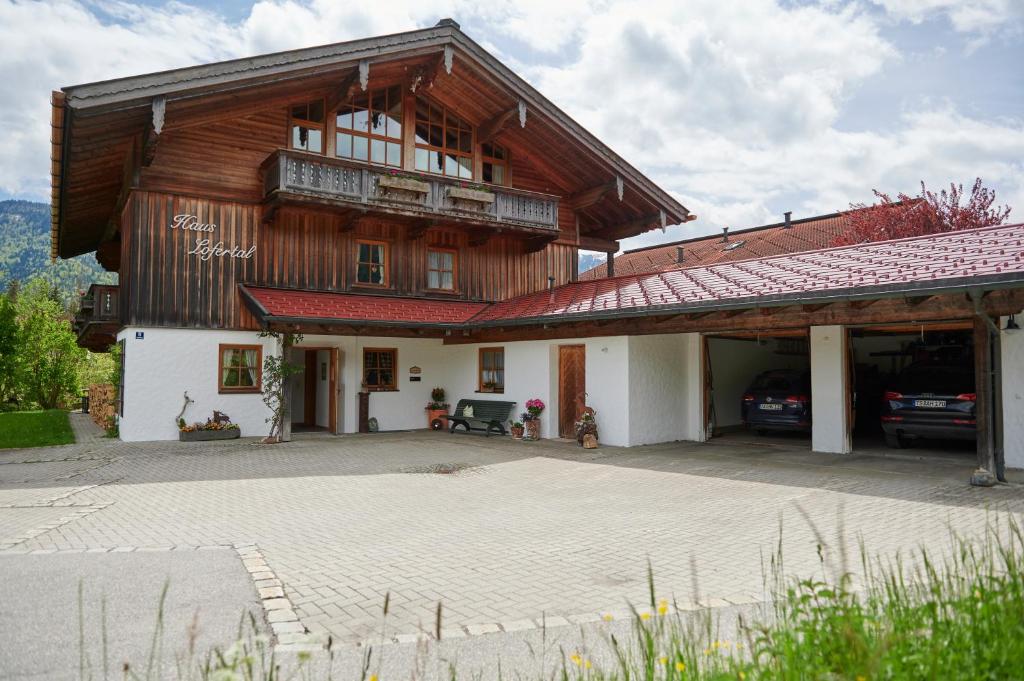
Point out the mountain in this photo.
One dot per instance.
(25, 251)
(590, 260)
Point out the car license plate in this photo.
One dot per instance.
(774, 406)
(933, 404)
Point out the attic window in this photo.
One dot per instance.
(307, 126)
(734, 245)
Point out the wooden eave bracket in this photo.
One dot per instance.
(424, 75)
(586, 198)
(151, 137)
(418, 228)
(539, 243)
(346, 90)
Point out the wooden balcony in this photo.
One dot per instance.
(98, 318)
(296, 176)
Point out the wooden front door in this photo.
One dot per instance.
(309, 401)
(572, 387)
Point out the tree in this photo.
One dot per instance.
(10, 344)
(929, 213)
(49, 357)
(276, 372)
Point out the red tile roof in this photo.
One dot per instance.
(293, 304)
(918, 262)
(807, 234)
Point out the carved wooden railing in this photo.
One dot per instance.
(406, 193)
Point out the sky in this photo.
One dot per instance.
(742, 109)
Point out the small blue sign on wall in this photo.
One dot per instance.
(139, 335)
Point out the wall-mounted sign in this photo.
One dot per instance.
(414, 379)
(139, 335)
(415, 371)
(205, 248)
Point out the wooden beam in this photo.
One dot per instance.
(538, 243)
(346, 89)
(418, 228)
(913, 301)
(490, 128)
(590, 243)
(815, 307)
(349, 222)
(641, 224)
(586, 198)
(609, 264)
(861, 304)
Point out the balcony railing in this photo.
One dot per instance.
(402, 192)
(98, 317)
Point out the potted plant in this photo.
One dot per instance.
(488, 387)
(437, 410)
(214, 429)
(517, 430)
(531, 418)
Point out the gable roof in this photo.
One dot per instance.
(805, 234)
(123, 105)
(932, 263)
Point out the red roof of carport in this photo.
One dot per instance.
(901, 263)
(314, 305)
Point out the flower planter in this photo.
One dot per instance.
(440, 415)
(532, 430)
(517, 432)
(465, 194)
(207, 435)
(406, 184)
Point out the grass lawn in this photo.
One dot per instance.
(35, 429)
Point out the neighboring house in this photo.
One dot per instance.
(788, 236)
(414, 209)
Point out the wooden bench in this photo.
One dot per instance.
(488, 415)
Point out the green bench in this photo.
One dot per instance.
(488, 415)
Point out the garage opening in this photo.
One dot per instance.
(914, 389)
(759, 387)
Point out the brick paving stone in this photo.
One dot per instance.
(545, 530)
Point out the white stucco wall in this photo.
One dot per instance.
(165, 363)
(657, 389)
(830, 431)
(1012, 364)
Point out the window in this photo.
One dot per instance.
(379, 367)
(240, 368)
(370, 128)
(444, 142)
(441, 269)
(372, 263)
(306, 126)
(495, 164)
(492, 369)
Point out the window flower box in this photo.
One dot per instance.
(466, 194)
(406, 184)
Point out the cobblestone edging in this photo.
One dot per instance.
(289, 632)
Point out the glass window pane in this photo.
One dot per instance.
(300, 137)
(435, 138)
(436, 114)
(451, 139)
(360, 119)
(299, 111)
(422, 160)
(465, 167)
(466, 141)
(387, 360)
(451, 165)
(316, 111)
(372, 377)
(377, 253)
(344, 118)
(364, 253)
(386, 378)
(434, 260)
(498, 175)
(343, 145)
(421, 133)
(369, 359)
(394, 154)
(433, 279)
(377, 151)
(436, 162)
(360, 148)
(422, 111)
(394, 114)
(487, 171)
(487, 149)
(316, 140)
(447, 283)
(378, 123)
(445, 260)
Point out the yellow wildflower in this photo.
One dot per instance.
(861, 677)
(742, 676)
(576, 659)
(680, 667)
(608, 617)
(373, 677)
(645, 616)
(662, 606)
(586, 663)
(663, 660)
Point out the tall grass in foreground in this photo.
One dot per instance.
(958, 617)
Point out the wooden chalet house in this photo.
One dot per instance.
(414, 209)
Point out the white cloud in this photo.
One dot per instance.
(732, 106)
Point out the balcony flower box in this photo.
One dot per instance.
(466, 194)
(405, 184)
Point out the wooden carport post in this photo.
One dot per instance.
(985, 475)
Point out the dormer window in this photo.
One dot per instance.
(370, 128)
(444, 142)
(495, 164)
(306, 126)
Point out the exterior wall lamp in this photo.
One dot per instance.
(1011, 325)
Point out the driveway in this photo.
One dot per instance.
(505, 534)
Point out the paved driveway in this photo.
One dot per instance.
(503, 533)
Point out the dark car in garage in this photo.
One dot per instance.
(930, 400)
(778, 400)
